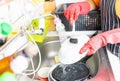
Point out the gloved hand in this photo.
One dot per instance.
(76, 9)
(100, 40)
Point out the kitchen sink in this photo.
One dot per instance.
(98, 63)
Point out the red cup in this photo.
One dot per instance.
(43, 73)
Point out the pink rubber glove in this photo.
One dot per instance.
(76, 9)
(100, 40)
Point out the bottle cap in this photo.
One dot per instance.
(7, 76)
(5, 28)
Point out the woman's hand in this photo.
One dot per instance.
(100, 40)
(76, 9)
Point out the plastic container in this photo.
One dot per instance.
(91, 21)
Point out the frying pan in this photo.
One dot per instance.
(69, 72)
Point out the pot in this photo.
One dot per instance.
(70, 72)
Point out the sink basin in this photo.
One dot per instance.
(98, 63)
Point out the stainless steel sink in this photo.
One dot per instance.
(98, 63)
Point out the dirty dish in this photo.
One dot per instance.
(69, 51)
(69, 72)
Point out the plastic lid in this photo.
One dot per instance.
(7, 76)
(5, 28)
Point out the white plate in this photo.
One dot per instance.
(69, 52)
